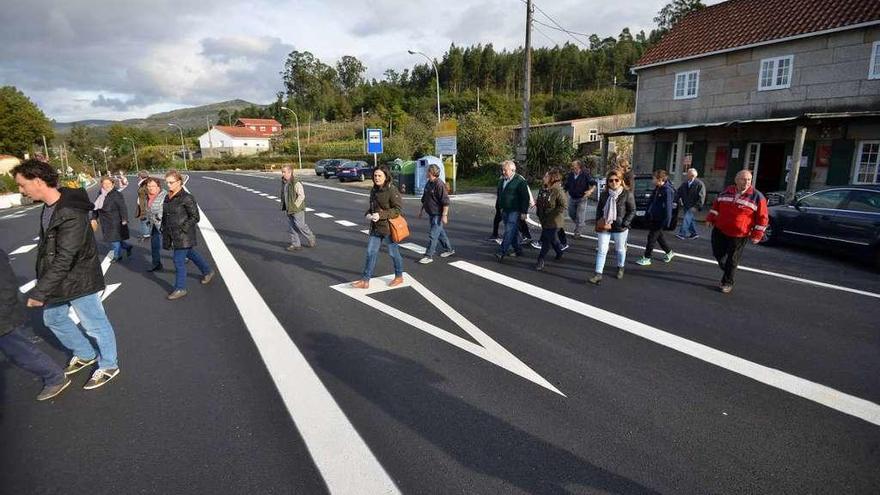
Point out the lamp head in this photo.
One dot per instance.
(411, 52)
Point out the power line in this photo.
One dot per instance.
(563, 30)
(546, 36)
(571, 34)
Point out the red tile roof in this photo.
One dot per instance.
(258, 122)
(240, 132)
(740, 23)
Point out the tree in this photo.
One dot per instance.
(676, 11)
(81, 141)
(480, 142)
(350, 71)
(22, 123)
(547, 149)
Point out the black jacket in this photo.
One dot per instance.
(11, 308)
(435, 197)
(180, 214)
(693, 196)
(626, 209)
(111, 216)
(67, 256)
(578, 187)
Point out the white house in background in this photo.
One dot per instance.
(230, 140)
(7, 163)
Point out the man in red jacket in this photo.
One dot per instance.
(737, 215)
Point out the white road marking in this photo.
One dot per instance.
(12, 215)
(341, 455)
(264, 194)
(815, 392)
(782, 276)
(109, 289)
(487, 349)
(365, 231)
(414, 247)
(273, 197)
(324, 215)
(309, 209)
(331, 188)
(37, 238)
(23, 249)
(28, 286)
(346, 223)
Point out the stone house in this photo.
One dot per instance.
(744, 83)
(587, 134)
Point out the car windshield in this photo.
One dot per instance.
(350, 165)
(643, 185)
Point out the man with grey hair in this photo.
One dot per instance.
(435, 202)
(513, 200)
(692, 196)
(293, 201)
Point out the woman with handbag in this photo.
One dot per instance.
(550, 207)
(614, 214)
(385, 204)
(180, 214)
(112, 216)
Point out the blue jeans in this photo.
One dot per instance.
(511, 233)
(27, 356)
(577, 211)
(373, 252)
(146, 228)
(549, 238)
(156, 245)
(117, 247)
(688, 224)
(94, 323)
(180, 256)
(437, 234)
(619, 247)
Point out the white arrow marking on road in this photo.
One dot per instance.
(346, 223)
(815, 392)
(413, 247)
(23, 249)
(488, 349)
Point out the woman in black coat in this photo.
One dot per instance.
(180, 214)
(112, 216)
(614, 214)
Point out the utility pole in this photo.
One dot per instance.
(527, 90)
(210, 141)
(46, 150)
(364, 130)
(309, 131)
(478, 100)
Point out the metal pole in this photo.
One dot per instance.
(298, 148)
(800, 133)
(363, 130)
(134, 150)
(46, 150)
(182, 143)
(436, 73)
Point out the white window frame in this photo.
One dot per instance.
(874, 68)
(857, 161)
(688, 150)
(593, 135)
(774, 68)
(685, 78)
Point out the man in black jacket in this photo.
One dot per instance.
(69, 273)
(14, 342)
(691, 195)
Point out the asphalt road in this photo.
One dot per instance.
(475, 377)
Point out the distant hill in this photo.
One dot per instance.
(186, 117)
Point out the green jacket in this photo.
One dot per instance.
(289, 197)
(514, 197)
(385, 201)
(550, 206)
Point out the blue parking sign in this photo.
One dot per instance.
(374, 140)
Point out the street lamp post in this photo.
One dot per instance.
(134, 148)
(94, 167)
(436, 73)
(182, 142)
(104, 152)
(298, 149)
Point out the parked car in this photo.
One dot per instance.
(845, 218)
(331, 166)
(643, 186)
(319, 166)
(354, 170)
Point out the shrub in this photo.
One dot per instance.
(546, 149)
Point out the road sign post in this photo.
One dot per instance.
(374, 144)
(446, 143)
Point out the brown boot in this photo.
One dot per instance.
(361, 284)
(395, 282)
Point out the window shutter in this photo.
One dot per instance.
(841, 162)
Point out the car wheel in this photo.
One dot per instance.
(361, 177)
(326, 176)
(771, 235)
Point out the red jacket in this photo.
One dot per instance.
(740, 215)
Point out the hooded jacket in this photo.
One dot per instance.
(67, 255)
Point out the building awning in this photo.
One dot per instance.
(806, 118)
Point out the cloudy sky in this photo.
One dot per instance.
(117, 59)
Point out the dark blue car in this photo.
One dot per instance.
(354, 170)
(840, 218)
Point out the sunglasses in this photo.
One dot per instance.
(613, 180)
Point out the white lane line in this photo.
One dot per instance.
(37, 238)
(414, 247)
(365, 231)
(346, 223)
(323, 215)
(815, 392)
(105, 265)
(341, 455)
(346, 191)
(28, 286)
(23, 249)
(782, 276)
(264, 195)
(12, 215)
(309, 209)
(272, 197)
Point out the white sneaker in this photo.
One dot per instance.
(446, 254)
(426, 260)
